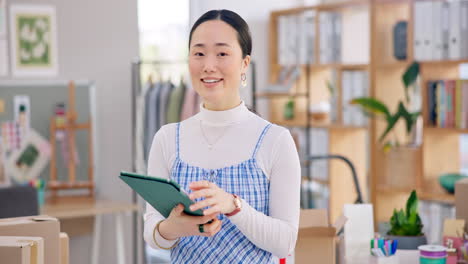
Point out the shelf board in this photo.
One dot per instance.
(437, 197)
(326, 126)
(442, 62)
(395, 64)
(321, 7)
(446, 129)
(422, 195)
(338, 126)
(354, 66)
(391, 191)
(393, 1)
(280, 94)
(342, 66)
(406, 63)
(320, 181)
(341, 5)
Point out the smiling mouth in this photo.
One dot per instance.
(211, 80)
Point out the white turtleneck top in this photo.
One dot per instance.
(233, 135)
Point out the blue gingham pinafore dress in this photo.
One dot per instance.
(229, 245)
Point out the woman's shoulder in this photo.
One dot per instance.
(165, 131)
(274, 132)
(171, 128)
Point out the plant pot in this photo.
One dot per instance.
(409, 242)
(402, 166)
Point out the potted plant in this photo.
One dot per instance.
(406, 225)
(400, 165)
(373, 107)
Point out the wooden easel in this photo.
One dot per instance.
(70, 126)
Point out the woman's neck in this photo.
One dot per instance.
(224, 117)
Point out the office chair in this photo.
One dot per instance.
(351, 167)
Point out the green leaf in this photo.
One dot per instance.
(407, 223)
(409, 77)
(412, 204)
(288, 111)
(391, 121)
(371, 105)
(410, 118)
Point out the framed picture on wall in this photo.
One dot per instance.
(33, 40)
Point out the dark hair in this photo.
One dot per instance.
(235, 21)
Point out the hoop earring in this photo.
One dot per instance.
(243, 80)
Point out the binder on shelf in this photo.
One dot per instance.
(418, 40)
(281, 40)
(310, 35)
(346, 96)
(465, 105)
(441, 103)
(458, 103)
(319, 141)
(437, 49)
(324, 44)
(329, 49)
(293, 40)
(334, 97)
(427, 30)
(454, 30)
(445, 24)
(355, 36)
(464, 28)
(337, 26)
(432, 102)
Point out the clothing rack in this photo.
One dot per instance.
(139, 255)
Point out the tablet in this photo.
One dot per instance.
(162, 194)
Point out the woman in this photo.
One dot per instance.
(241, 170)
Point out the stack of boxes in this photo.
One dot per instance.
(33, 239)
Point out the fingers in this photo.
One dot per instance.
(212, 229)
(205, 219)
(212, 210)
(201, 185)
(178, 209)
(202, 204)
(202, 193)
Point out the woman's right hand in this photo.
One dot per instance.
(180, 224)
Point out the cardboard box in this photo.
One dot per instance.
(35, 244)
(461, 196)
(317, 239)
(36, 226)
(64, 248)
(15, 252)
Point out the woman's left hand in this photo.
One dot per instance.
(216, 198)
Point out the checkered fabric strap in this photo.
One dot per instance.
(260, 139)
(177, 140)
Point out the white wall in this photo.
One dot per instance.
(256, 14)
(97, 41)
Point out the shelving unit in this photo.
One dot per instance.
(311, 88)
(439, 152)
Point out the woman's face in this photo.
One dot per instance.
(216, 64)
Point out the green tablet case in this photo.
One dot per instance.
(162, 194)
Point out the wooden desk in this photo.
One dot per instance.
(87, 210)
